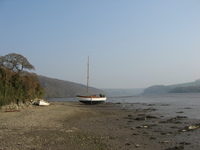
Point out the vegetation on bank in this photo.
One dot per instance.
(191, 89)
(16, 84)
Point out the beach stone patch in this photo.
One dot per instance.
(137, 145)
(152, 138)
(185, 143)
(174, 120)
(127, 144)
(143, 126)
(180, 112)
(165, 105)
(176, 148)
(166, 133)
(174, 127)
(181, 117)
(140, 118)
(129, 117)
(151, 117)
(164, 142)
(151, 109)
(135, 134)
(190, 128)
(141, 115)
(187, 108)
(151, 104)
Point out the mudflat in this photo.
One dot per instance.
(108, 126)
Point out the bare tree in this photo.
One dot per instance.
(15, 62)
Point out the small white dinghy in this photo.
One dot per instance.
(42, 102)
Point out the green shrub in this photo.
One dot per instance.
(15, 87)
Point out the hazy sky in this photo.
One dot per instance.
(131, 43)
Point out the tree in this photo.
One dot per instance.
(15, 62)
(13, 84)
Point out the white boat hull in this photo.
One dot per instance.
(42, 103)
(91, 100)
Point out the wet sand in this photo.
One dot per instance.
(108, 126)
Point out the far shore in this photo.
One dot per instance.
(107, 126)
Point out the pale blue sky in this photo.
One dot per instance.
(131, 43)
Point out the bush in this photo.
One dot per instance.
(15, 87)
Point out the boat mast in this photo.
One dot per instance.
(88, 75)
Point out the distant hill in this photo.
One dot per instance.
(157, 89)
(122, 92)
(190, 87)
(55, 88)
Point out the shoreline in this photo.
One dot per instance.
(72, 125)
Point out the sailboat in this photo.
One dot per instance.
(90, 99)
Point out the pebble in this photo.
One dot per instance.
(164, 142)
(137, 145)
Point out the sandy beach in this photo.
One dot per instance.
(108, 126)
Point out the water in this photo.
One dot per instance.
(169, 105)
